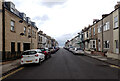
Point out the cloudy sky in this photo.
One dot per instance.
(63, 19)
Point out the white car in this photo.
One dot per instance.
(32, 56)
(78, 51)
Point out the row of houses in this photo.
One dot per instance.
(102, 36)
(18, 33)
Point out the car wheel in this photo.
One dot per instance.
(50, 56)
(39, 61)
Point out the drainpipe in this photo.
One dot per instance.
(102, 37)
(3, 33)
(119, 30)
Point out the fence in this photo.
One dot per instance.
(8, 56)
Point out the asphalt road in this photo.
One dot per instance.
(64, 65)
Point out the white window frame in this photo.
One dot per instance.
(115, 21)
(25, 30)
(94, 31)
(92, 44)
(12, 25)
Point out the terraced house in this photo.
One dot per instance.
(20, 33)
(103, 37)
(44, 41)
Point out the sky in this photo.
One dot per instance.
(63, 19)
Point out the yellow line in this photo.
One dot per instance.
(115, 66)
(11, 73)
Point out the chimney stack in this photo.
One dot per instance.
(104, 15)
(117, 5)
(95, 21)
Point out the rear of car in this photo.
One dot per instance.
(32, 56)
(79, 51)
(46, 52)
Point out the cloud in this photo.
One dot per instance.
(60, 17)
(52, 4)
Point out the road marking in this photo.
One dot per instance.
(115, 66)
(11, 73)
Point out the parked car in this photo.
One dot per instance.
(46, 52)
(32, 56)
(78, 51)
(52, 50)
(71, 49)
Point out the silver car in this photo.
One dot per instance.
(78, 51)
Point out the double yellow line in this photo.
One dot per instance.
(113, 66)
(11, 73)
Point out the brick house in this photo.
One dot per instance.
(20, 33)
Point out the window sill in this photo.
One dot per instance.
(13, 31)
(115, 28)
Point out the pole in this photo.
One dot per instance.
(3, 33)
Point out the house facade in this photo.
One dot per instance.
(20, 33)
(108, 33)
(103, 36)
(116, 25)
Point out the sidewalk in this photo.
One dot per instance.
(9, 65)
(104, 59)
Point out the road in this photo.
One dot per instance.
(64, 65)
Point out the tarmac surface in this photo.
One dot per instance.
(65, 65)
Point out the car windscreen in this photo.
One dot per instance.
(29, 53)
(79, 49)
(42, 49)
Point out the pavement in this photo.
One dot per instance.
(9, 65)
(64, 65)
(112, 61)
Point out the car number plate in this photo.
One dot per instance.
(29, 61)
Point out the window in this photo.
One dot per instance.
(93, 31)
(99, 29)
(92, 43)
(12, 25)
(106, 26)
(35, 35)
(116, 42)
(24, 30)
(87, 34)
(106, 44)
(41, 39)
(12, 7)
(12, 47)
(28, 31)
(90, 31)
(116, 22)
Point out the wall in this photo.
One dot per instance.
(15, 36)
(115, 31)
(108, 35)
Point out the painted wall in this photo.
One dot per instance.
(115, 31)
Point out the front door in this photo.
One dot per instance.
(116, 46)
(99, 46)
(26, 46)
